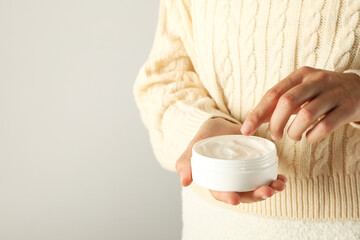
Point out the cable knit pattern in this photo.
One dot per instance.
(350, 22)
(247, 51)
(276, 35)
(347, 39)
(312, 24)
(215, 58)
(225, 69)
(321, 158)
(277, 22)
(352, 148)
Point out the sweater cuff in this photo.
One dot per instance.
(198, 117)
(190, 122)
(356, 71)
(180, 127)
(355, 124)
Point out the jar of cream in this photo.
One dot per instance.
(234, 163)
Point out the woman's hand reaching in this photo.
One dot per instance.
(216, 127)
(311, 94)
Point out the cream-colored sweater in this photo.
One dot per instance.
(218, 58)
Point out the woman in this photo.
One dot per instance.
(288, 71)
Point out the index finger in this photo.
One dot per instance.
(268, 102)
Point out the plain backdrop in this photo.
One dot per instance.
(75, 159)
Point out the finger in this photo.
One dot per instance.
(232, 198)
(327, 125)
(183, 167)
(235, 198)
(299, 108)
(310, 114)
(289, 102)
(278, 185)
(259, 194)
(281, 177)
(268, 102)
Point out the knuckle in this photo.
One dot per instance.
(349, 113)
(306, 114)
(337, 91)
(293, 135)
(272, 93)
(321, 76)
(325, 127)
(255, 115)
(287, 100)
(305, 69)
(352, 103)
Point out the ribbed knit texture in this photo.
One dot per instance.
(218, 58)
(206, 221)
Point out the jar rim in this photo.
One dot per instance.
(248, 162)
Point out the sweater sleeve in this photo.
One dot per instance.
(357, 72)
(172, 100)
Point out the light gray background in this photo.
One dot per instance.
(75, 159)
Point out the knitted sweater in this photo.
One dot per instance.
(219, 57)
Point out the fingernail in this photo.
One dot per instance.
(246, 127)
(264, 197)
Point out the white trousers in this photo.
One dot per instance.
(204, 220)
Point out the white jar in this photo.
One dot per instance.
(234, 163)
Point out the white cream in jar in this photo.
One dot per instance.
(234, 162)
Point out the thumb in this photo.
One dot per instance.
(183, 167)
